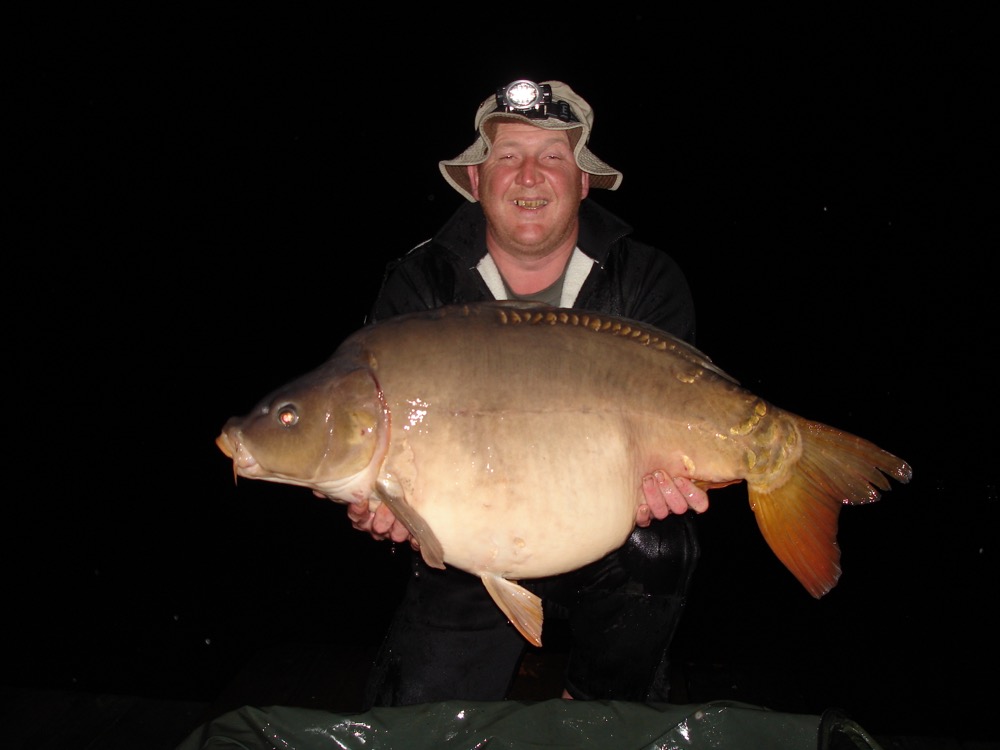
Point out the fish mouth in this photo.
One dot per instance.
(244, 464)
(224, 445)
(532, 204)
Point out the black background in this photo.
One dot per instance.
(204, 206)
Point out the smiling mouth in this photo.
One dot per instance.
(530, 204)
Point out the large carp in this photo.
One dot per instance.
(473, 422)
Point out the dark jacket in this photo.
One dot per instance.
(448, 638)
(630, 279)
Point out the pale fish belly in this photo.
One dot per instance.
(513, 504)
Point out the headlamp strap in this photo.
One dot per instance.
(561, 110)
(542, 111)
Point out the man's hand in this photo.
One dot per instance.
(380, 523)
(665, 495)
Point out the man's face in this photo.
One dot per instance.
(530, 188)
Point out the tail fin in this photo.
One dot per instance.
(799, 519)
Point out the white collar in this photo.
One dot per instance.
(576, 273)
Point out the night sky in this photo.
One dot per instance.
(206, 208)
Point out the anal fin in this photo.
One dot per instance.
(523, 608)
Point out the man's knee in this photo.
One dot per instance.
(662, 557)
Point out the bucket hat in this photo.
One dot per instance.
(551, 105)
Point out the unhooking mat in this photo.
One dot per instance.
(551, 725)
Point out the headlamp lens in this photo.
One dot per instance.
(522, 94)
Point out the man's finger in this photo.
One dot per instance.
(695, 497)
(398, 532)
(383, 520)
(672, 497)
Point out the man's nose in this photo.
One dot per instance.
(529, 173)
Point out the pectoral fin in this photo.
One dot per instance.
(523, 608)
(391, 494)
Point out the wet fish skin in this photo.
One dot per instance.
(472, 422)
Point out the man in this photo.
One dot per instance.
(530, 232)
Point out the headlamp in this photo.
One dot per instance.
(533, 100)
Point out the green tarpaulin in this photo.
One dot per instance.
(552, 725)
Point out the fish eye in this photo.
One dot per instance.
(287, 416)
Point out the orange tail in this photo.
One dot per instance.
(799, 519)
